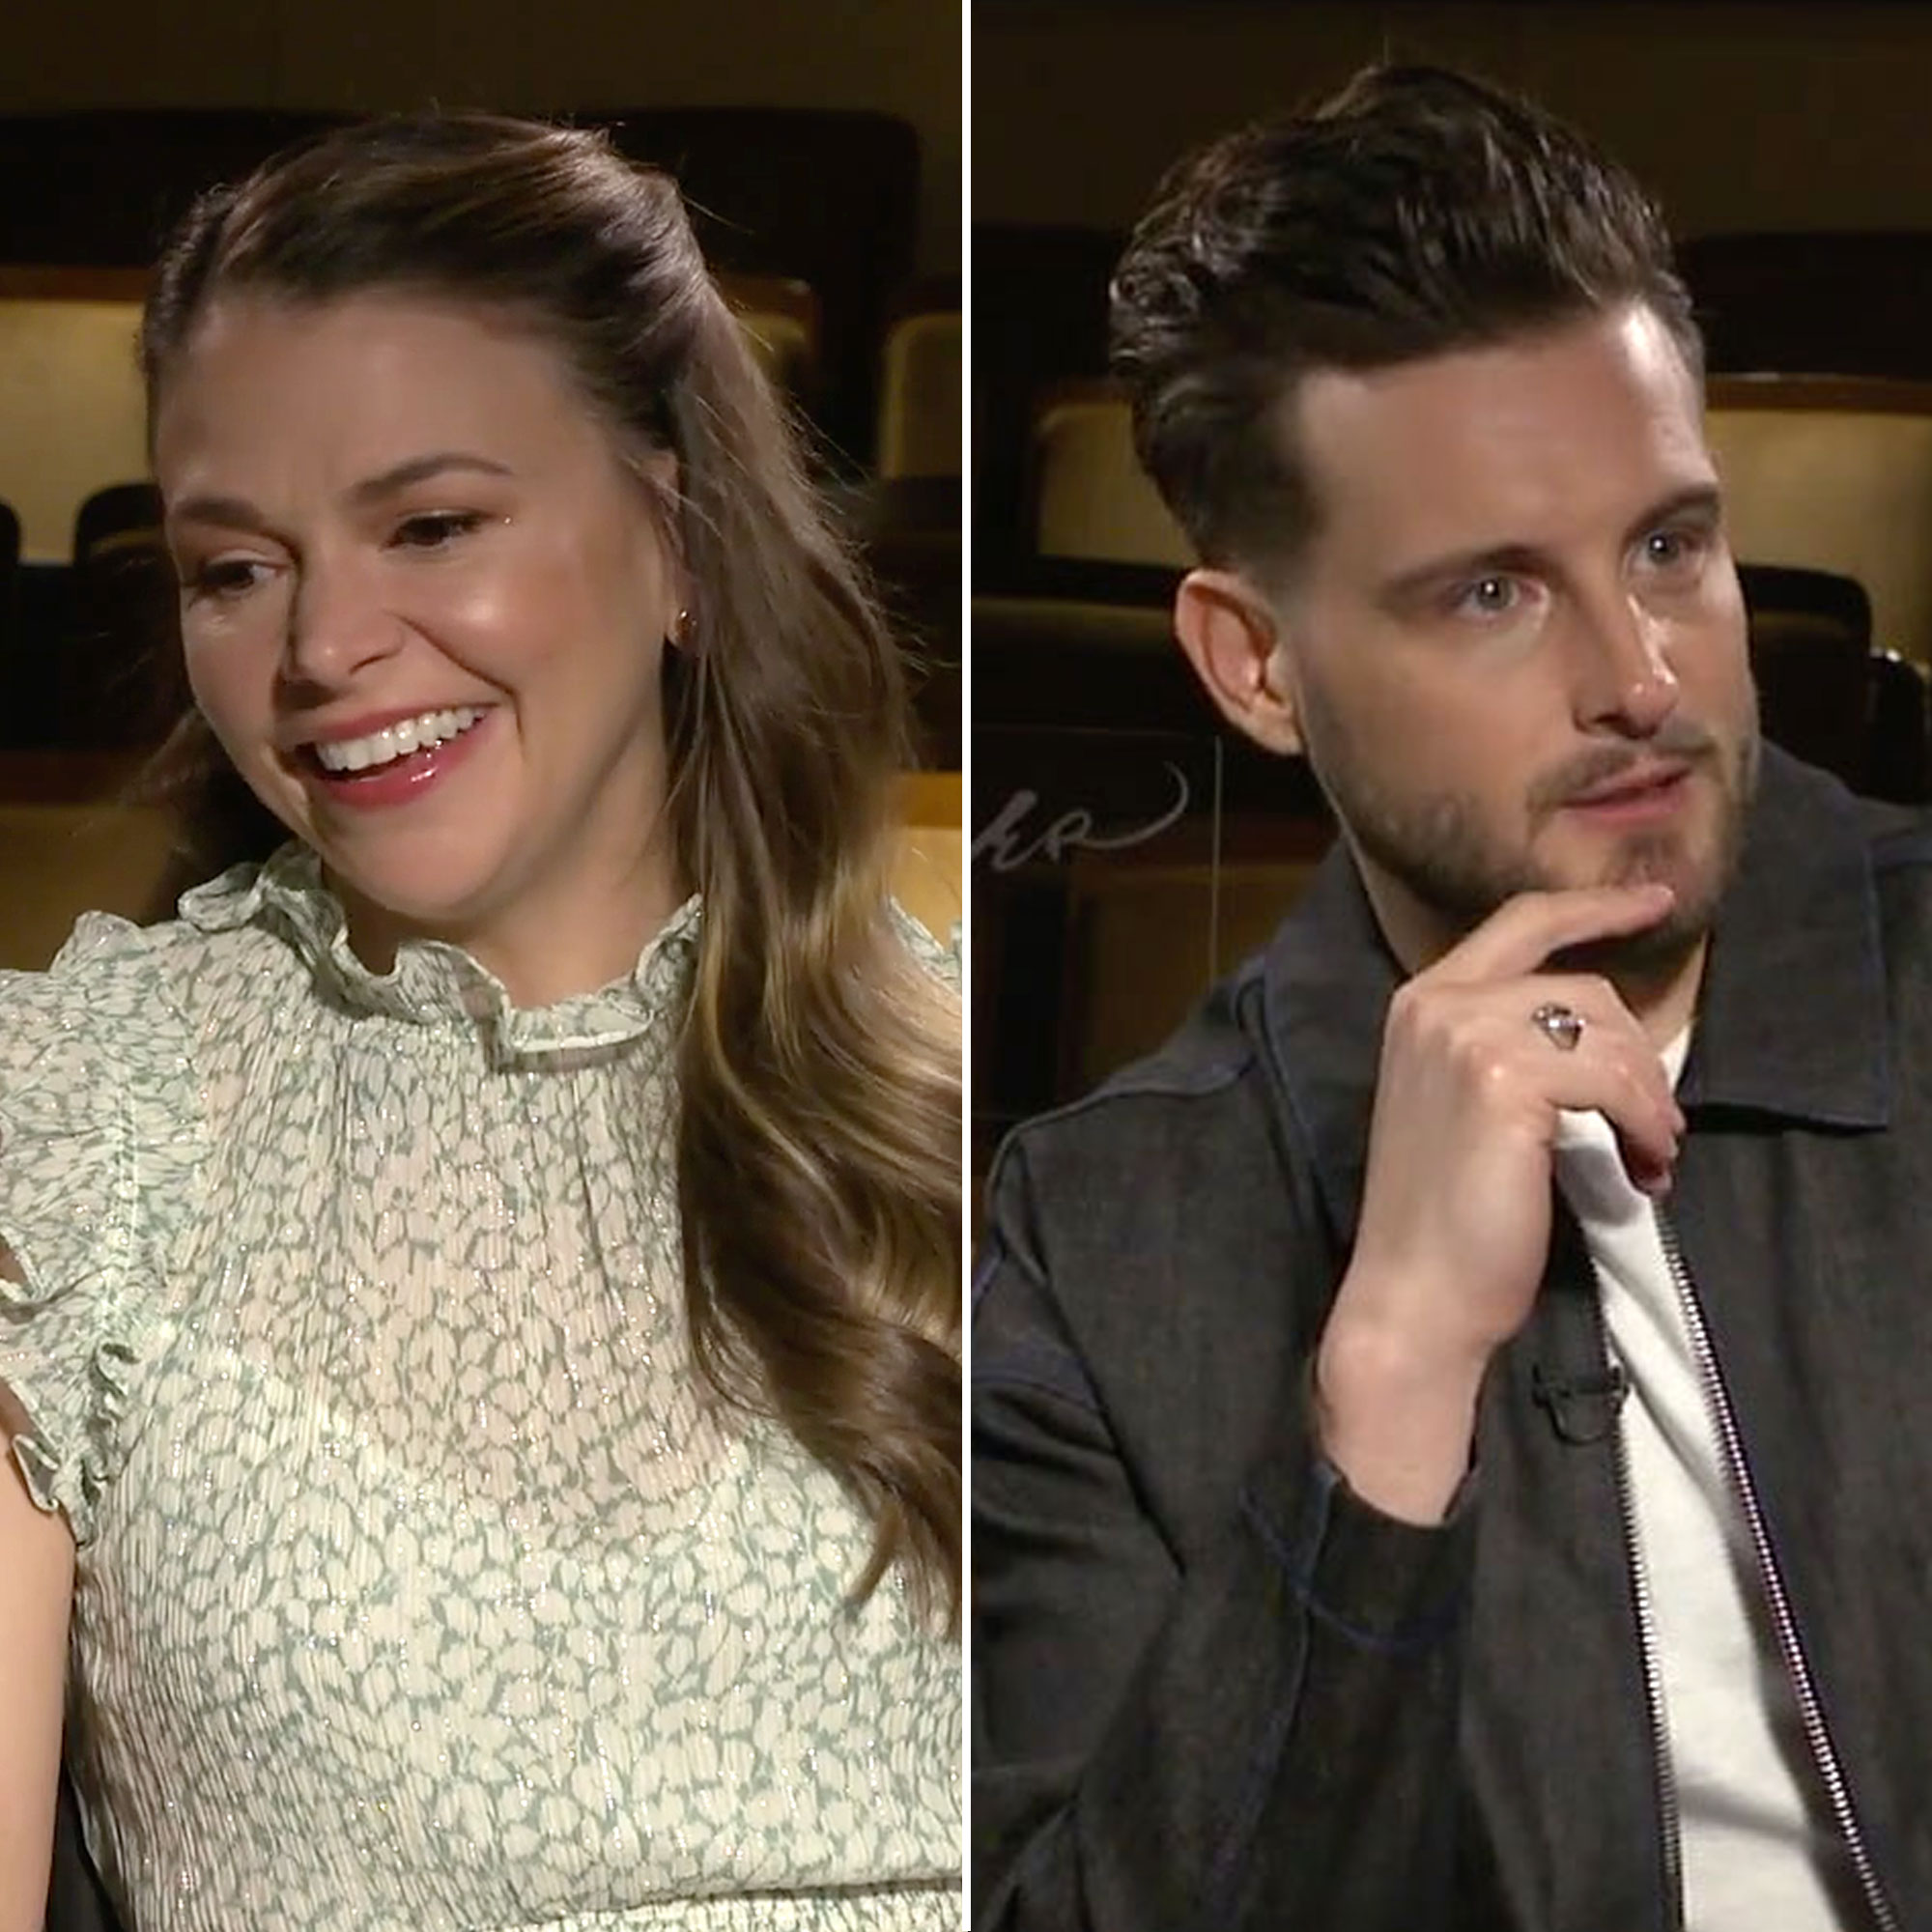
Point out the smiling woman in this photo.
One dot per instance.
(396, 520)
(481, 1334)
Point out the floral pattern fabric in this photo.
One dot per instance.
(418, 1586)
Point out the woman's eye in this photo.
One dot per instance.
(435, 528)
(224, 577)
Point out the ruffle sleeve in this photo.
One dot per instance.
(99, 1164)
(944, 963)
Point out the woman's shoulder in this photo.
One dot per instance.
(104, 1144)
(121, 983)
(107, 964)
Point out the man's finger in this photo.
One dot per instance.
(1520, 936)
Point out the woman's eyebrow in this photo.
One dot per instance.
(230, 512)
(420, 469)
(238, 513)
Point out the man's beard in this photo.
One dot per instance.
(1441, 852)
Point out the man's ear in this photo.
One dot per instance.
(1233, 641)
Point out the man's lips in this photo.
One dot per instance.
(1640, 782)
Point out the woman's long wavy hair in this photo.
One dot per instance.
(818, 1131)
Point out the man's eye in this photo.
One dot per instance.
(1672, 549)
(1486, 597)
(435, 528)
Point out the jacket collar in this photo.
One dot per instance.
(1790, 1020)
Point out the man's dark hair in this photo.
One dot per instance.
(1416, 213)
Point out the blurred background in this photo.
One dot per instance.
(822, 147)
(1127, 849)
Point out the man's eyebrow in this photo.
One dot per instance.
(1455, 567)
(238, 513)
(1698, 501)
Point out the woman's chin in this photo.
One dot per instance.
(388, 906)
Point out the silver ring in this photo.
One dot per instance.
(1561, 1026)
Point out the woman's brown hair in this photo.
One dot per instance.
(818, 1132)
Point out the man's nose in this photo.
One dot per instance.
(1626, 682)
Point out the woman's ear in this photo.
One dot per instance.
(657, 476)
(1234, 641)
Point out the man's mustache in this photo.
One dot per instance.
(1677, 738)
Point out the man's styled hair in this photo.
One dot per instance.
(1416, 213)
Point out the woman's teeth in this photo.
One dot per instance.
(395, 741)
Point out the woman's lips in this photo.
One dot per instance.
(401, 781)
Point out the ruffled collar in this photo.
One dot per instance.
(436, 985)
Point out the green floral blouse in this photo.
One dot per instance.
(417, 1585)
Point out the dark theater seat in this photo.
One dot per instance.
(10, 583)
(1839, 302)
(75, 1900)
(1039, 316)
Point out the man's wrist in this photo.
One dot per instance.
(1396, 1421)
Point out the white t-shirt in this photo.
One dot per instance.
(1759, 1849)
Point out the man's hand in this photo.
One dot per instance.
(1455, 1214)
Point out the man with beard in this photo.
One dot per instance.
(1453, 1435)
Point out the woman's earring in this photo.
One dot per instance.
(677, 628)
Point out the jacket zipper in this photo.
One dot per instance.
(1669, 1823)
(1784, 1625)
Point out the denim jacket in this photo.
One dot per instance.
(1213, 1688)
